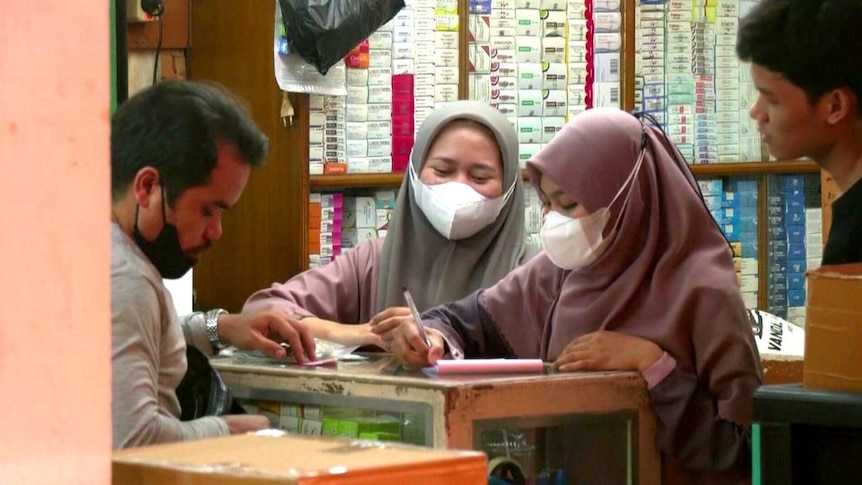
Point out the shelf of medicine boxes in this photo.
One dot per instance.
(360, 180)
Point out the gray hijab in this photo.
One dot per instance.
(435, 269)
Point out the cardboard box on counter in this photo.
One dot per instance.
(833, 329)
(287, 459)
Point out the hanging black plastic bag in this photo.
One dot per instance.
(323, 31)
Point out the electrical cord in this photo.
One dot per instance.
(158, 51)
(155, 8)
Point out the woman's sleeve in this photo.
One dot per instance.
(692, 429)
(705, 414)
(468, 328)
(341, 291)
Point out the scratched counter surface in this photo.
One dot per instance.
(551, 427)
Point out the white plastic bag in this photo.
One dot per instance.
(776, 336)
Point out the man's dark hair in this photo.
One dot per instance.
(814, 44)
(174, 127)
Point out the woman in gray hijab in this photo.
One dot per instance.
(458, 226)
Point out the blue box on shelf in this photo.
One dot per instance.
(796, 251)
(730, 199)
(796, 298)
(480, 6)
(747, 224)
(747, 199)
(749, 249)
(777, 287)
(743, 185)
(731, 231)
(794, 203)
(775, 211)
(747, 211)
(776, 267)
(713, 202)
(795, 218)
(777, 233)
(796, 265)
(710, 187)
(773, 221)
(794, 181)
(795, 232)
(777, 245)
(796, 281)
(777, 276)
(747, 237)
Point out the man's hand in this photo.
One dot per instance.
(265, 331)
(399, 331)
(604, 350)
(246, 423)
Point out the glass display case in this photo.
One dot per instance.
(586, 427)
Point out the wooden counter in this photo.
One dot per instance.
(457, 410)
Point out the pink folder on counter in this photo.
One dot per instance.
(489, 366)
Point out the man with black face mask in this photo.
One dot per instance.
(181, 154)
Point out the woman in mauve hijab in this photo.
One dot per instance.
(635, 276)
(457, 226)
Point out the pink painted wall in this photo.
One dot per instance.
(55, 394)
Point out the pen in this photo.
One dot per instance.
(415, 312)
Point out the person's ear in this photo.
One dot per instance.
(146, 186)
(839, 105)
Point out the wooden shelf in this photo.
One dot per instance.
(361, 180)
(753, 168)
(356, 180)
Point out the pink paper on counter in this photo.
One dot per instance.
(489, 366)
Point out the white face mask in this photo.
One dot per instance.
(455, 209)
(574, 243)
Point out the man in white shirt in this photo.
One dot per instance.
(181, 154)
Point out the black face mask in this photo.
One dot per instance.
(165, 252)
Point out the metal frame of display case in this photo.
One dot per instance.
(456, 408)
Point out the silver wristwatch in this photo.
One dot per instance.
(212, 328)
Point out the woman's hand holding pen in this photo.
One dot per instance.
(397, 328)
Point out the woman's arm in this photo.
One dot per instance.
(342, 292)
(467, 328)
(705, 413)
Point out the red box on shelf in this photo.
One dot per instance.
(402, 85)
(403, 105)
(402, 125)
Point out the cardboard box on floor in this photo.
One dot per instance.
(833, 329)
(290, 459)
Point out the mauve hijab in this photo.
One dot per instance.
(433, 268)
(667, 275)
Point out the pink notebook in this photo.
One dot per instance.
(489, 366)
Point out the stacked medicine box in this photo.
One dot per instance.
(339, 222)
(733, 205)
(528, 59)
(533, 219)
(739, 220)
(394, 80)
(688, 77)
(368, 134)
(325, 215)
(795, 228)
(607, 45)
(316, 420)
